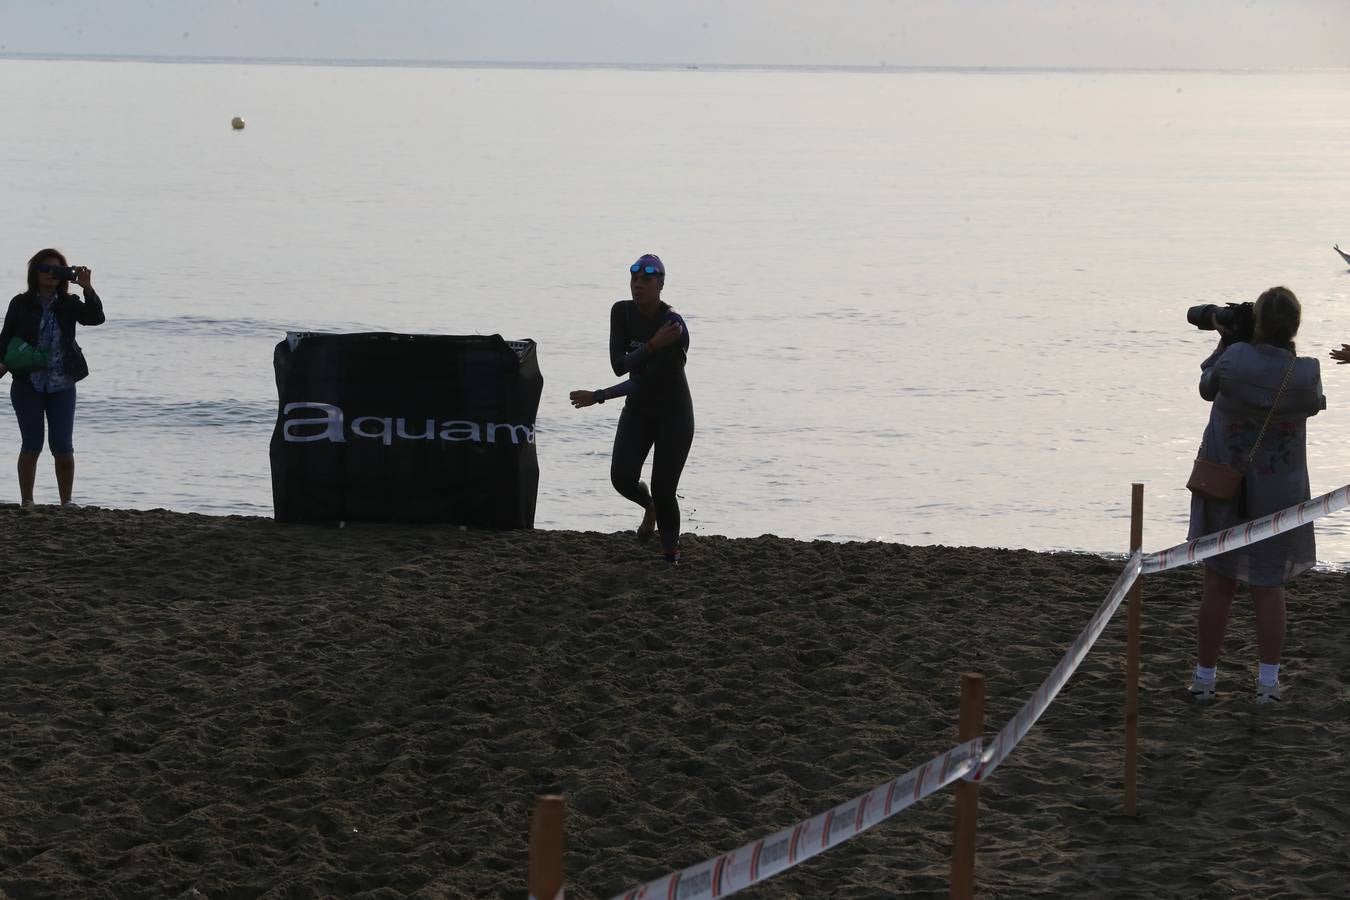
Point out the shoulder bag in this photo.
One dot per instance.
(22, 357)
(1220, 481)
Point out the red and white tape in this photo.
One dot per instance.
(1021, 723)
(765, 858)
(1248, 532)
(780, 851)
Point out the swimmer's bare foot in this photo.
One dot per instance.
(648, 526)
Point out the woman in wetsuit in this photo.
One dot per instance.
(649, 342)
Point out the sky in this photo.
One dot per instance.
(1187, 34)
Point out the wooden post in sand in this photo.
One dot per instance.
(967, 792)
(546, 844)
(1132, 654)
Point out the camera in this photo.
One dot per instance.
(1238, 318)
(66, 273)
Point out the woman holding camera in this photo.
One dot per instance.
(649, 342)
(44, 318)
(1262, 395)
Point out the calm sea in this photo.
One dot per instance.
(925, 306)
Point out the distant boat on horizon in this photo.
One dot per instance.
(1345, 256)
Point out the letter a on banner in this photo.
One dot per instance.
(328, 422)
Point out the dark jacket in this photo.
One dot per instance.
(24, 319)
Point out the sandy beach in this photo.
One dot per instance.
(225, 707)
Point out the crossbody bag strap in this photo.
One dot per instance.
(1287, 372)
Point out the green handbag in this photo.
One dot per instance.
(22, 357)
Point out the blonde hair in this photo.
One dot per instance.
(1277, 315)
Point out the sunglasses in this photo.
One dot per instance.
(649, 270)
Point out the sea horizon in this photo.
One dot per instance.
(667, 66)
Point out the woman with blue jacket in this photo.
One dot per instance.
(1262, 394)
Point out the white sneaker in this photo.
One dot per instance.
(1202, 691)
(1268, 693)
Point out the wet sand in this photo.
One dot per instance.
(225, 707)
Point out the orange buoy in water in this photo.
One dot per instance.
(237, 123)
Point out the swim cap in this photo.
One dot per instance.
(648, 259)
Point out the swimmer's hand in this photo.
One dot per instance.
(666, 335)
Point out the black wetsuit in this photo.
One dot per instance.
(659, 413)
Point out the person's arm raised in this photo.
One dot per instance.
(91, 310)
(1211, 372)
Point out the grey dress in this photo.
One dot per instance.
(1242, 380)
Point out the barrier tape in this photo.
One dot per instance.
(761, 860)
(1247, 532)
(1017, 728)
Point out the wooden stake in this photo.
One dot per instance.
(967, 792)
(1132, 655)
(546, 846)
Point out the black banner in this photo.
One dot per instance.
(383, 427)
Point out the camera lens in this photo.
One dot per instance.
(1199, 316)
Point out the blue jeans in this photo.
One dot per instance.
(30, 405)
